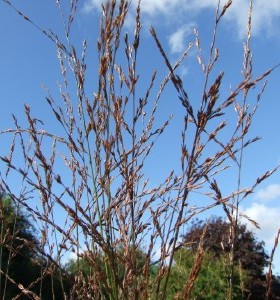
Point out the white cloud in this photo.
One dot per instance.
(267, 218)
(73, 255)
(90, 5)
(269, 221)
(156, 256)
(183, 71)
(263, 15)
(264, 12)
(177, 40)
(158, 6)
(271, 192)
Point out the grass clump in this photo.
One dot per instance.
(92, 168)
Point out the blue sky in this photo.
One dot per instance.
(28, 61)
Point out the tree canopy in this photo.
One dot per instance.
(211, 282)
(250, 257)
(24, 270)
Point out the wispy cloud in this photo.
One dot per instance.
(91, 5)
(177, 40)
(271, 192)
(265, 13)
